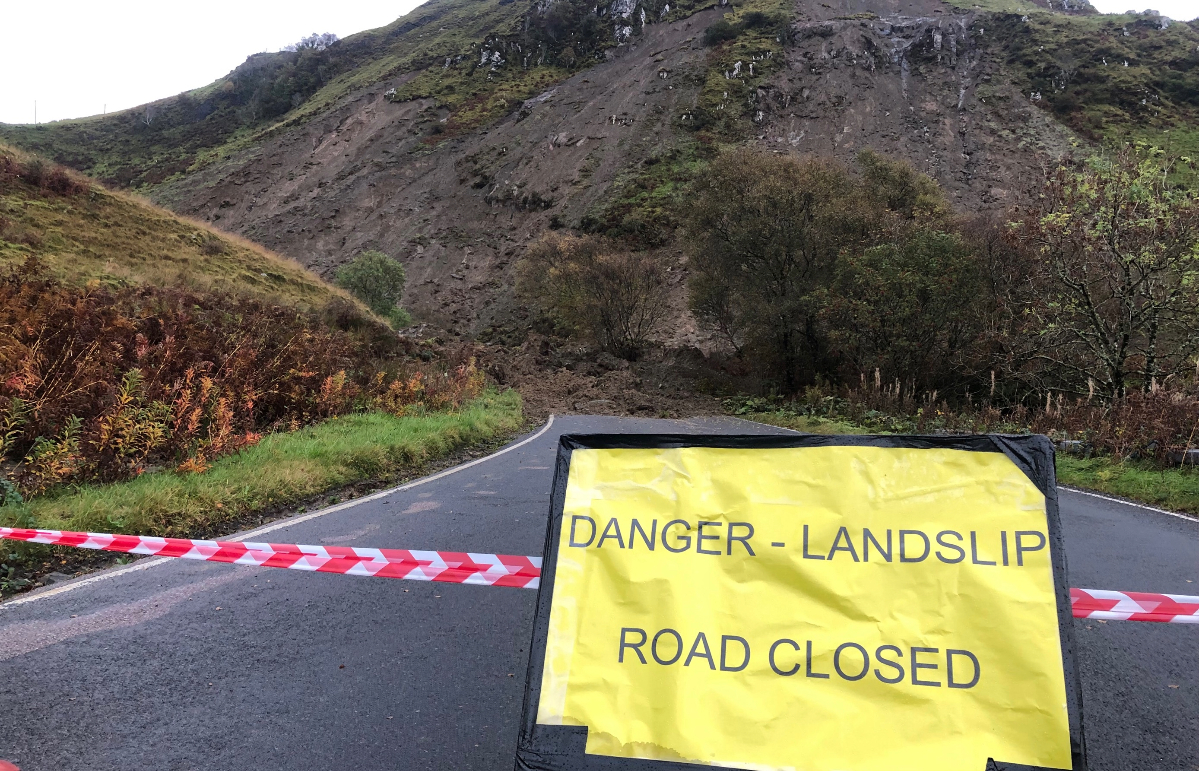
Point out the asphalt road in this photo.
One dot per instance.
(186, 665)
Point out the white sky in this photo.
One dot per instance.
(78, 58)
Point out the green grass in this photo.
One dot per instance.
(1176, 489)
(1110, 77)
(283, 468)
(117, 239)
(804, 423)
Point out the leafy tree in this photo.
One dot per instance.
(910, 309)
(1117, 250)
(378, 281)
(896, 187)
(612, 296)
(765, 232)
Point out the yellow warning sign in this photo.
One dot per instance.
(838, 608)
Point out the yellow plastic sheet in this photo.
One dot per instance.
(764, 650)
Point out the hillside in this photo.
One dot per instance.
(83, 232)
(463, 130)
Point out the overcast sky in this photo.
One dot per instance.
(82, 57)
(74, 57)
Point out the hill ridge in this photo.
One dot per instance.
(452, 147)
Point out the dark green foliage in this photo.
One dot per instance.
(724, 30)
(897, 187)
(720, 32)
(767, 231)
(812, 273)
(1109, 77)
(570, 33)
(377, 280)
(909, 308)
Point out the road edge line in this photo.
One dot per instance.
(384, 493)
(145, 565)
(1126, 502)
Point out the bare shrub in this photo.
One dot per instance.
(1157, 424)
(35, 172)
(611, 296)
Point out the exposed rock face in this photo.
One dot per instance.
(909, 87)
(914, 81)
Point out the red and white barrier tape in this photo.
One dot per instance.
(1134, 606)
(496, 569)
(451, 567)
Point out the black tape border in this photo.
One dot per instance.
(561, 748)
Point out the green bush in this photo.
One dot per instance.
(719, 32)
(377, 280)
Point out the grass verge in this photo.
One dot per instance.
(1175, 489)
(282, 468)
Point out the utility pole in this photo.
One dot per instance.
(35, 112)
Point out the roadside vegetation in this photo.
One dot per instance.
(134, 398)
(860, 300)
(378, 281)
(282, 468)
(1166, 481)
(273, 475)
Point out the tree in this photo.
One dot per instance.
(909, 309)
(612, 296)
(314, 42)
(378, 281)
(1117, 248)
(765, 232)
(896, 187)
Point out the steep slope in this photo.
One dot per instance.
(455, 135)
(84, 232)
(611, 147)
(457, 212)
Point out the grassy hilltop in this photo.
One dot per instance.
(84, 232)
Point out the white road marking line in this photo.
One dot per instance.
(102, 576)
(1186, 517)
(384, 493)
(145, 565)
